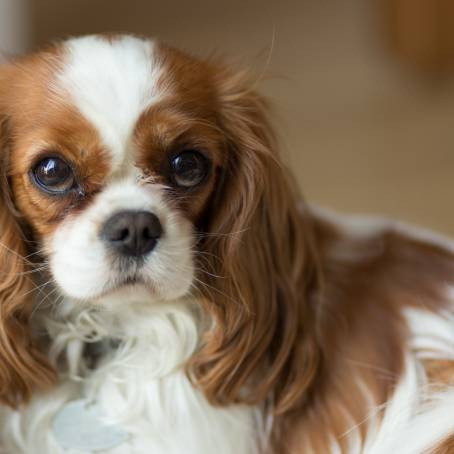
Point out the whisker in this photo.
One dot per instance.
(41, 303)
(204, 284)
(24, 273)
(38, 288)
(215, 234)
(15, 253)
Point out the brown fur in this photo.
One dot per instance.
(41, 123)
(30, 115)
(360, 330)
(251, 233)
(265, 255)
(446, 447)
(440, 371)
(22, 366)
(294, 322)
(304, 317)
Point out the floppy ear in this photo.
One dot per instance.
(263, 266)
(22, 366)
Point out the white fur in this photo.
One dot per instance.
(111, 83)
(419, 414)
(367, 226)
(80, 262)
(141, 385)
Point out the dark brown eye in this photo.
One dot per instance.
(189, 168)
(54, 175)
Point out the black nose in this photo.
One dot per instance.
(132, 233)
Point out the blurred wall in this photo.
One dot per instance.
(362, 131)
(14, 26)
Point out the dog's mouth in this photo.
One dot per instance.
(123, 286)
(127, 281)
(131, 280)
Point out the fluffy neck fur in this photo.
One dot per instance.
(131, 362)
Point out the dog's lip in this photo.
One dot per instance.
(128, 281)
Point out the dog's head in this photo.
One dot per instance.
(129, 167)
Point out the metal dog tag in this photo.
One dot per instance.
(79, 425)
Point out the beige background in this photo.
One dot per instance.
(15, 27)
(362, 132)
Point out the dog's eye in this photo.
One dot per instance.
(189, 168)
(54, 175)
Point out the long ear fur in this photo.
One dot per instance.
(22, 367)
(263, 266)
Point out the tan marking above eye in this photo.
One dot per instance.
(77, 145)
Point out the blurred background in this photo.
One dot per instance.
(363, 89)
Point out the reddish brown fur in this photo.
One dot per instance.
(34, 124)
(440, 371)
(41, 124)
(268, 266)
(302, 313)
(164, 131)
(360, 330)
(23, 367)
(446, 447)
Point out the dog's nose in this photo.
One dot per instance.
(132, 233)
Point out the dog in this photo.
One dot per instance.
(165, 289)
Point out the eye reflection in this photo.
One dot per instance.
(189, 168)
(53, 174)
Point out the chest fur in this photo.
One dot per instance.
(138, 381)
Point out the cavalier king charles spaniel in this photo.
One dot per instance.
(163, 288)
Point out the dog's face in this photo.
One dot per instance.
(130, 169)
(115, 154)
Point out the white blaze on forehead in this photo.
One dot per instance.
(111, 83)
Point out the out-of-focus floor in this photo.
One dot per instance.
(362, 133)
